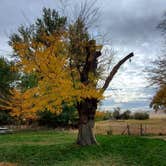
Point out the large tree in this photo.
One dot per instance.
(157, 74)
(8, 75)
(158, 78)
(65, 60)
(8, 78)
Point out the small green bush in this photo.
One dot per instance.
(108, 115)
(116, 113)
(126, 115)
(67, 118)
(5, 118)
(141, 115)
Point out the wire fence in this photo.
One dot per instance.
(132, 129)
(138, 129)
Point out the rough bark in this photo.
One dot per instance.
(87, 107)
(87, 110)
(85, 134)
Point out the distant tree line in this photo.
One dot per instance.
(129, 115)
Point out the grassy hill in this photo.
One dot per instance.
(55, 148)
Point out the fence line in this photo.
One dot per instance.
(138, 129)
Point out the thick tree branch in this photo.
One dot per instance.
(114, 71)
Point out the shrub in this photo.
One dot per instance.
(46, 118)
(126, 115)
(99, 115)
(107, 116)
(116, 113)
(5, 118)
(67, 118)
(141, 115)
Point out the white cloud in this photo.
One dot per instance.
(130, 84)
(131, 27)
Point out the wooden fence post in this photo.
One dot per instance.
(128, 129)
(141, 129)
(145, 130)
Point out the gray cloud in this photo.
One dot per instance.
(130, 25)
(132, 18)
(128, 22)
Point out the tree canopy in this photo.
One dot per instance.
(57, 55)
(158, 74)
(8, 76)
(63, 59)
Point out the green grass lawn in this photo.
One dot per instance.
(53, 148)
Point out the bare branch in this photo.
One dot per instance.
(88, 13)
(114, 70)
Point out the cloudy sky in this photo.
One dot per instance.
(127, 26)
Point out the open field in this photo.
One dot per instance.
(157, 115)
(55, 148)
(150, 126)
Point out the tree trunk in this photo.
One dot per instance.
(87, 110)
(85, 134)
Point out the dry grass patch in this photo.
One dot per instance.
(150, 126)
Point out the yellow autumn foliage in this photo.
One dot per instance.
(55, 84)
